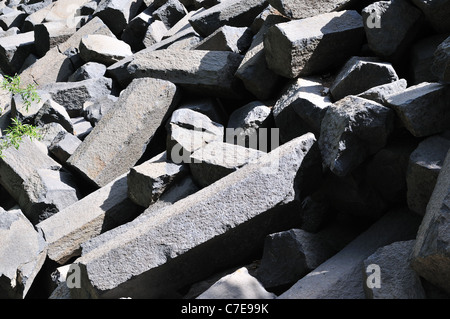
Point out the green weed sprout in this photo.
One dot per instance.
(17, 130)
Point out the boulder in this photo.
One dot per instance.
(194, 70)
(425, 163)
(170, 13)
(89, 70)
(49, 34)
(301, 107)
(300, 9)
(22, 254)
(238, 285)
(254, 71)
(202, 247)
(73, 95)
(360, 74)
(217, 159)
(103, 156)
(234, 13)
(36, 182)
(246, 126)
(117, 13)
(353, 129)
(381, 93)
(103, 49)
(187, 131)
(312, 45)
(53, 112)
(98, 212)
(398, 279)
(398, 15)
(63, 146)
(149, 180)
(430, 256)
(14, 50)
(423, 108)
(227, 38)
(441, 62)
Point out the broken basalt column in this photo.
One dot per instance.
(312, 45)
(194, 70)
(108, 152)
(19, 239)
(164, 240)
(353, 129)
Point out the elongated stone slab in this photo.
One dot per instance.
(204, 72)
(118, 141)
(189, 240)
(104, 209)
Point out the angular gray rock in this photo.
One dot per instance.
(436, 13)
(234, 13)
(201, 247)
(441, 62)
(360, 74)
(170, 13)
(398, 279)
(73, 95)
(14, 50)
(187, 131)
(299, 9)
(93, 111)
(103, 156)
(149, 180)
(341, 276)
(291, 254)
(98, 212)
(81, 127)
(217, 159)
(430, 257)
(353, 129)
(63, 146)
(103, 49)
(253, 70)
(425, 163)
(50, 34)
(22, 254)
(53, 112)
(117, 13)
(211, 107)
(311, 45)
(301, 107)
(194, 70)
(238, 285)
(142, 26)
(245, 126)
(423, 108)
(391, 27)
(90, 70)
(36, 181)
(381, 93)
(227, 38)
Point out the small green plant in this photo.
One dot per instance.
(28, 94)
(17, 130)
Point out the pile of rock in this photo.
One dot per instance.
(227, 149)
